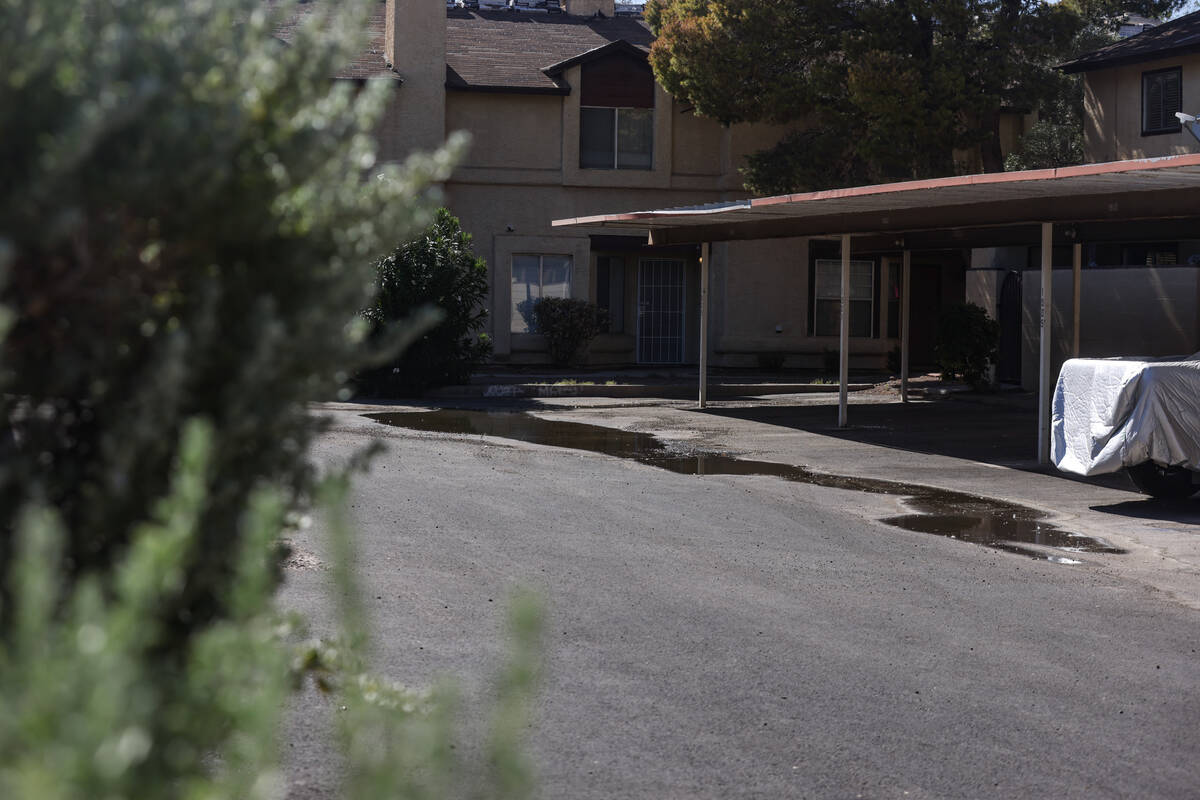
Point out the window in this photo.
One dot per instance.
(1151, 254)
(827, 293)
(616, 114)
(610, 290)
(1161, 97)
(535, 277)
(616, 138)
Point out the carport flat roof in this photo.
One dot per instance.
(1119, 191)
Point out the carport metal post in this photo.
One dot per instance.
(705, 252)
(1076, 274)
(1045, 311)
(905, 280)
(844, 350)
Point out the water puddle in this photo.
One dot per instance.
(993, 523)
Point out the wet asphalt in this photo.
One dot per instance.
(745, 636)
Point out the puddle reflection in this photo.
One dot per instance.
(993, 523)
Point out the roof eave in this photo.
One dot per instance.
(1081, 65)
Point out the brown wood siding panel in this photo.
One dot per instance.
(617, 83)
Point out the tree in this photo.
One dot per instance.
(877, 91)
(188, 210)
(437, 269)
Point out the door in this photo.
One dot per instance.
(924, 312)
(660, 310)
(1008, 360)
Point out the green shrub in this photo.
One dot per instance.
(437, 269)
(1048, 144)
(89, 711)
(188, 213)
(966, 343)
(186, 228)
(569, 326)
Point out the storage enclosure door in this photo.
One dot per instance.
(660, 310)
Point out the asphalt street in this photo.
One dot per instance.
(735, 636)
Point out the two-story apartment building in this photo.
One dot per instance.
(567, 120)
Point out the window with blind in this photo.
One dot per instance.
(616, 115)
(827, 294)
(1162, 96)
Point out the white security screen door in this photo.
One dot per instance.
(660, 310)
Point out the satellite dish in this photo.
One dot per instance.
(1190, 122)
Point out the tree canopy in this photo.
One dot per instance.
(877, 90)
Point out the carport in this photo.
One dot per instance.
(1068, 205)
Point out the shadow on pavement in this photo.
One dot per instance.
(1184, 511)
(992, 433)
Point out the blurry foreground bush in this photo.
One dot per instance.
(189, 210)
(90, 710)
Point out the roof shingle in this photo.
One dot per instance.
(495, 50)
(1177, 37)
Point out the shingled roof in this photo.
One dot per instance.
(497, 51)
(370, 62)
(1177, 37)
(512, 51)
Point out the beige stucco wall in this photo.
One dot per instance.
(764, 284)
(698, 145)
(1113, 112)
(415, 46)
(509, 131)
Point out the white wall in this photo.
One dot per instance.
(1126, 311)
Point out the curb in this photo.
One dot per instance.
(668, 391)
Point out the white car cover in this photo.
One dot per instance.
(1111, 413)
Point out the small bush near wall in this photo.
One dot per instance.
(569, 326)
(966, 344)
(437, 269)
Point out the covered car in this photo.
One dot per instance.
(1139, 414)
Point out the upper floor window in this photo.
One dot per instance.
(616, 115)
(1162, 94)
(616, 138)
